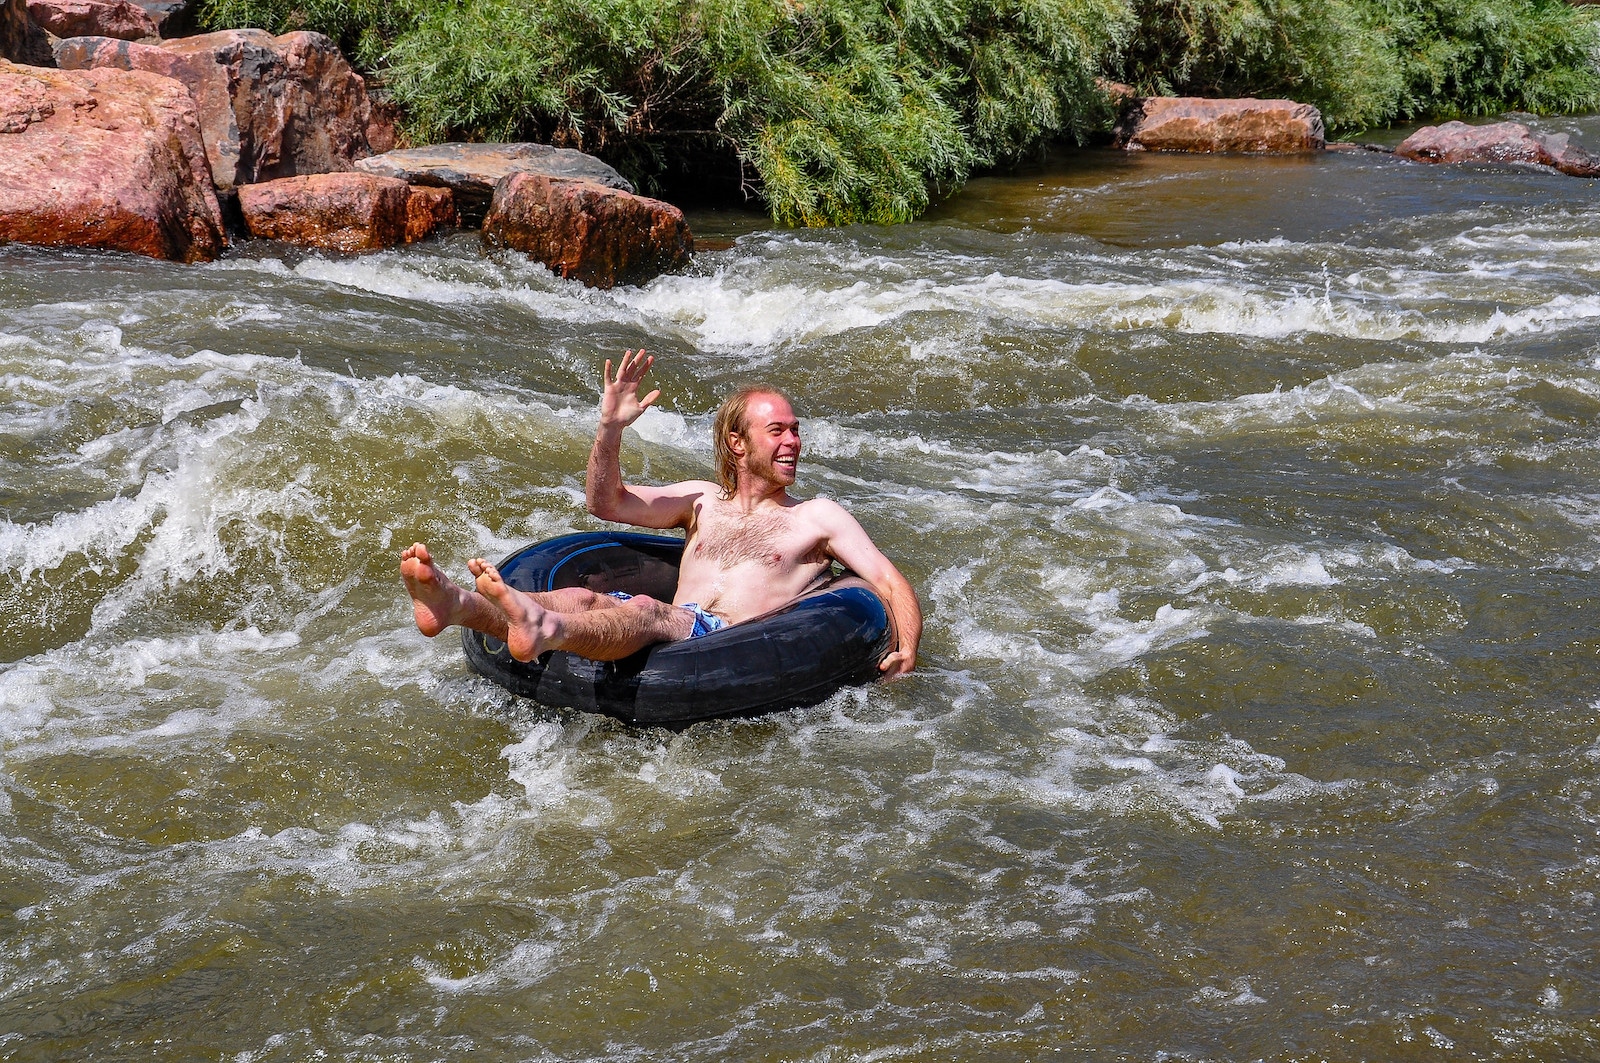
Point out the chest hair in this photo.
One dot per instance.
(730, 541)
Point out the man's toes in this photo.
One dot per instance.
(490, 583)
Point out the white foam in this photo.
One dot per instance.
(1239, 994)
(442, 279)
(738, 307)
(85, 696)
(525, 965)
(541, 764)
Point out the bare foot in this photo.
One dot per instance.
(530, 628)
(435, 600)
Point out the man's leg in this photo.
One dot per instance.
(600, 634)
(438, 602)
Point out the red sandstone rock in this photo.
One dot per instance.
(122, 19)
(1179, 123)
(429, 209)
(1570, 158)
(269, 106)
(1459, 142)
(20, 40)
(334, 211)
(1501, 142)
(584, 230)
(104, 158)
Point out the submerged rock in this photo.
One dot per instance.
(269, 106)
(122, 19)
(472, 171)
(1498, 142)
(104, 158)
(1185, 123)
(21, 40)
(599, 235)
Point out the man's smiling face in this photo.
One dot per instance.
(771, 439)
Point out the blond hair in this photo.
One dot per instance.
(731, 418)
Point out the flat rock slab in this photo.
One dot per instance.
(269, 106)
(122, 19)
(472, 171)
(599, 235)
(104, 158)
(1498, 142)
(1192, 124)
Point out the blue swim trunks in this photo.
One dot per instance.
(704, 623)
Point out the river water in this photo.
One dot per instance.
(1255, 509)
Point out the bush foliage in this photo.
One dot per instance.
(857, 110)
(1369, 62)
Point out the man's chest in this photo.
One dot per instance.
(771, 539)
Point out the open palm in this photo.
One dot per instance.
(619, 398)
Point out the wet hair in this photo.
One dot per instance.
(731, 417)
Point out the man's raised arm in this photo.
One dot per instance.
(606, 496)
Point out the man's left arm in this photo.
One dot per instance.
(848, 542)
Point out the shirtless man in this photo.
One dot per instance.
(750, 547)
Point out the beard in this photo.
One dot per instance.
(767, 469)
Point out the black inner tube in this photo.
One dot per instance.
(830, 637)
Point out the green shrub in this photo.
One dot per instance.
(1482, 57)
(1367, 62)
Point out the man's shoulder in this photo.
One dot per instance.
(820, 510)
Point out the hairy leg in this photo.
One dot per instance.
(600, 632)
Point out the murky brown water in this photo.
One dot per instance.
(1253, 505)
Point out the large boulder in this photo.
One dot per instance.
(473, 171)
(269, 106)
(21, 41)
(1498, 142)
(587, 231)
(334, 211)
(122, 19)
(1182, 123)
(104, 158)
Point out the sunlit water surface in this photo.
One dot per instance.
(1253, 505)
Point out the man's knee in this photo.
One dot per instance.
(647, 605)
(576, 600)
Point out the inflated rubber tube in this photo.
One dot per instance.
(797, 655)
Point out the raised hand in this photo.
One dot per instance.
(620, 404)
